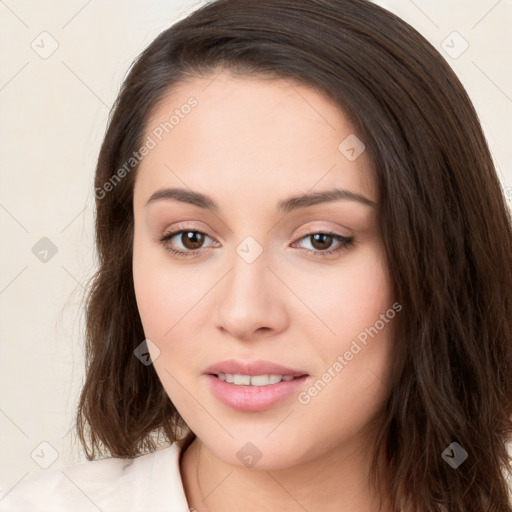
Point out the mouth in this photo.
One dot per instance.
(243, 371)
(255, 393)
(254, 385)
(255, 380)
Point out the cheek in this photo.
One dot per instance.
(366, 293)
(356, 353)
(171, 303)
(347, 299)
(160, 286)
(367, 319)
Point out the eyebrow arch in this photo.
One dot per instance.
(284, 206)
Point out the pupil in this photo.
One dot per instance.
(323, 236)
(194, 238)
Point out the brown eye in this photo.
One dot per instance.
(192, 239)
(184, 242)
(321, 241)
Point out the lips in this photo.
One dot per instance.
(254, 398)
(252, 368)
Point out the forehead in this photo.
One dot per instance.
(250, 134)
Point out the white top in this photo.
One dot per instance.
(150, 482)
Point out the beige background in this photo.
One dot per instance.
(54, 112)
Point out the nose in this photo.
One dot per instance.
(250, 300)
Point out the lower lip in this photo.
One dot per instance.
(253, 398)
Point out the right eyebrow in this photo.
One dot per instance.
(287, 205)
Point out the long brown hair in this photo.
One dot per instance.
(446, 228)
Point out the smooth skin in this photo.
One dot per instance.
(248, 144)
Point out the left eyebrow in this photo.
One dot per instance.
(287, 205)
(185, 196)
(326, 196)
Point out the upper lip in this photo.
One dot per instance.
(253, 367)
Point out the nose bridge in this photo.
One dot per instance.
(248, 279)
(248, 298)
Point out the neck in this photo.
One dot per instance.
(335, 482)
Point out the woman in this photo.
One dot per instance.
(305, 277)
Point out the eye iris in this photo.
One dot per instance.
(322, 237)
(192, 237)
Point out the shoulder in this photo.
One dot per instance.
(148, 482)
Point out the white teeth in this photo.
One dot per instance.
(242, 380)
(255, 380)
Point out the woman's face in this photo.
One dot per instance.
(261, 278)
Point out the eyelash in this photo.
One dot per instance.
(345, 243)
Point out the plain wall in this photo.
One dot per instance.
(54, 110)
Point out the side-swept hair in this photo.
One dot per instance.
(445, 225)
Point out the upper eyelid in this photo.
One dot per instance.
(311, 231)
(171, 233)
(308, 231)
